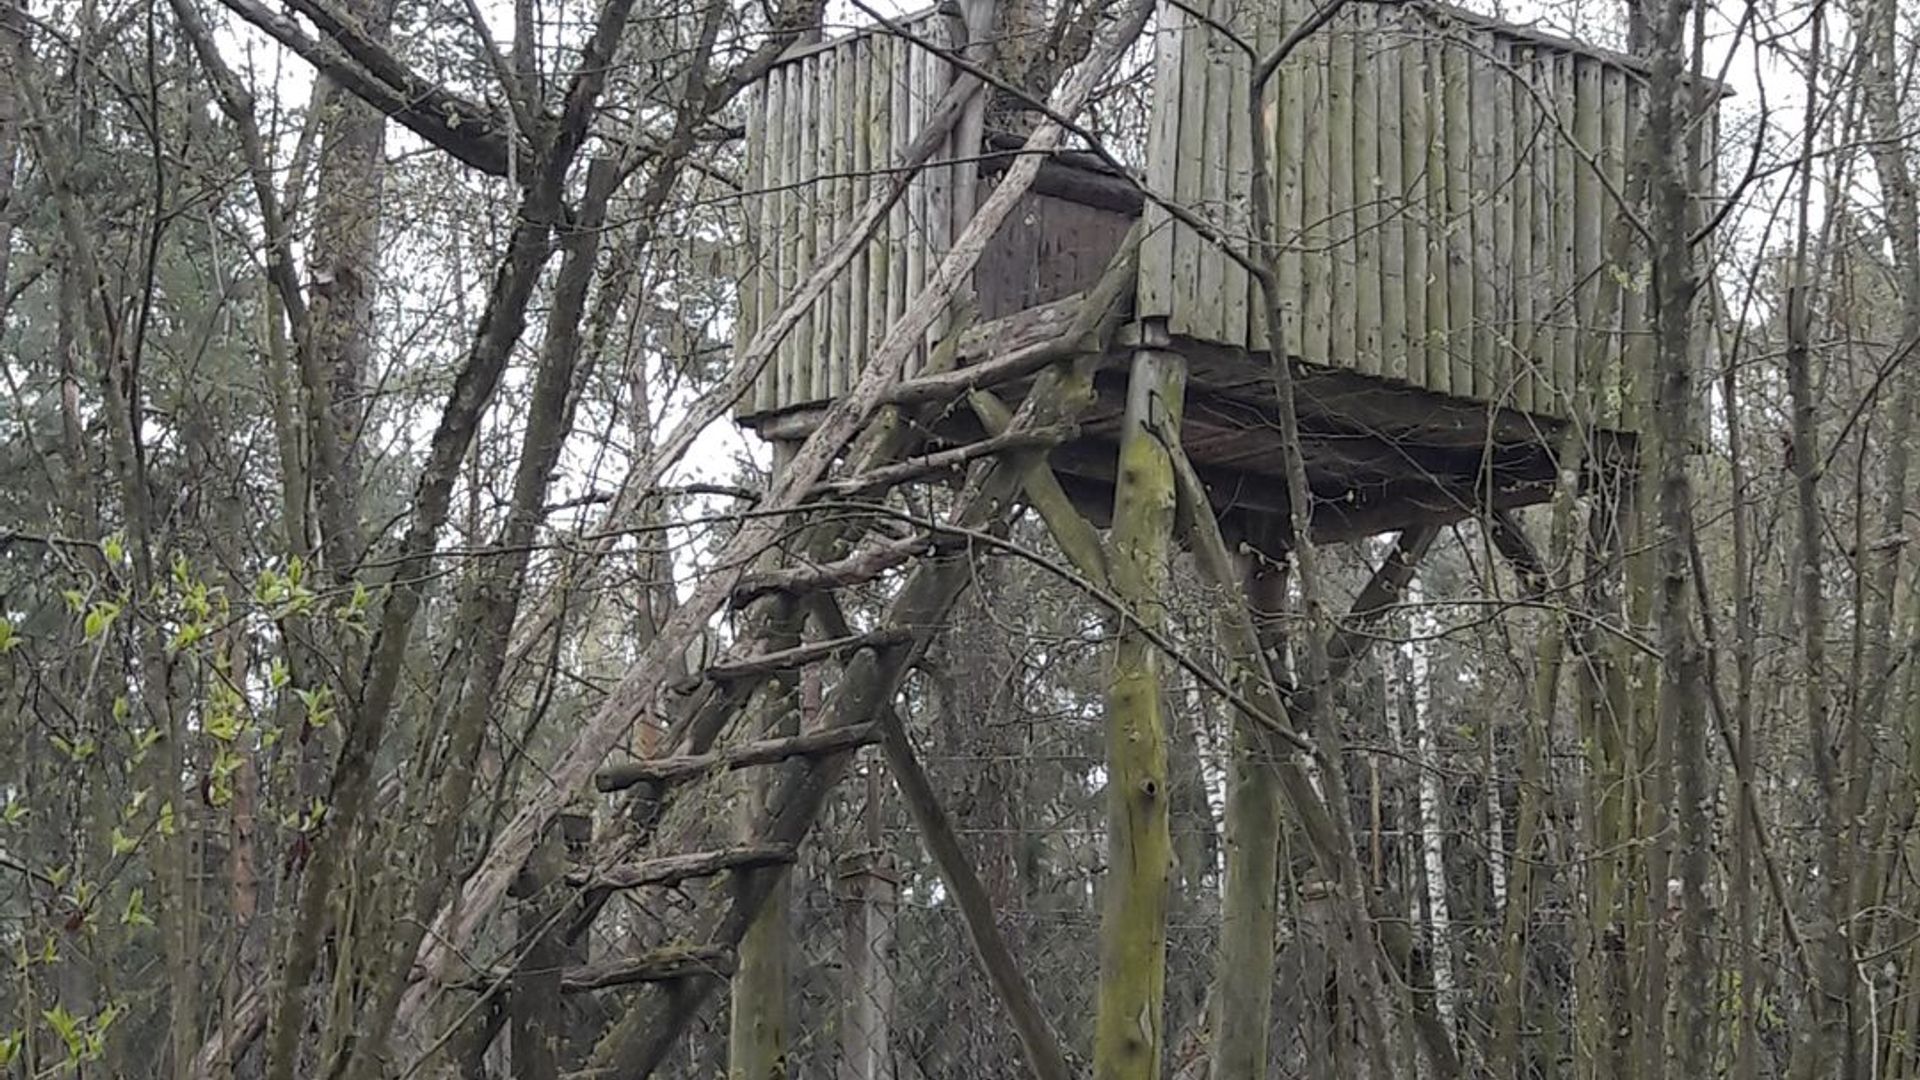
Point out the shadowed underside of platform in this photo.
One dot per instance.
(1380, 456)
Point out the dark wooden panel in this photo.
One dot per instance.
(1046, 249)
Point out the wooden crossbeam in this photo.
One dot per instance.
(672, 870)
(659, 965)
(759, 752)
(781, 661)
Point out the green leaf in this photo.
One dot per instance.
(100, 619)
(122, 843)
(185, 637)
(67, 1026)
(135, 913)
(9, 637)
(10, 1045)
(114, 548)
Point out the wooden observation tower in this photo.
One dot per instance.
(1425, 243)
(1456, 284)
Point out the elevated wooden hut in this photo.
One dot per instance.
(1459, 277)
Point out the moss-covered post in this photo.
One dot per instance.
(1133, 928)
(1243, 990)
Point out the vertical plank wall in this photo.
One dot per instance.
(821, 129)
(1446, 194)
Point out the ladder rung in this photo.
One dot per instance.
(674, 869)
(762, 752)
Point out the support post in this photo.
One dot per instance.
(868, 892)
(1243, 986)
(1133, 929)
(757, 1018)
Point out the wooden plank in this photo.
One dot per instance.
(1589, 216)
(1366, 188)
(1316, 268)
(1342, 349)
(1392, 207)
(1439, 273)
(919, 236)
(1481, 180)
(1566, 342)
(1541, 157)
(939, 217)
(1189, 186)
(753, 273)
(1503, 356)
(1416, 140)
(860, 135)
(1526, 239)
(1156, 289)
(795, 223)
(830, 370)
(900, 220)
(773, 211)
(1622, 280)
(1235, 321)
(1458, 95)
(1209, 307)
(805, 98)
(1290, 145)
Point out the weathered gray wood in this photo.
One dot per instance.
(1367, 276)
(838, 353)
(1433, 220)
(812, 329)
(761, 752)
(1526, 139)
(659, 965)
(919, 207)
(777, 228)
(1237, 214)
(1342, 232)
(1482, 180)
(880, 141)
(671, 870)
(1540, 151)
(753, 252)
(1616, 280)
(940, 183)
(1157, 288)
(1290, 206)
(1190, 165)
(860, 134)
(1439, 223)
(1416, 139)
(1505, 169)
(1222, 116)
(1635, 313)
(1316, 270)
(900, 223)
(1392, 208)
(1458, 102)
(1588, 225)
(1566, 243)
